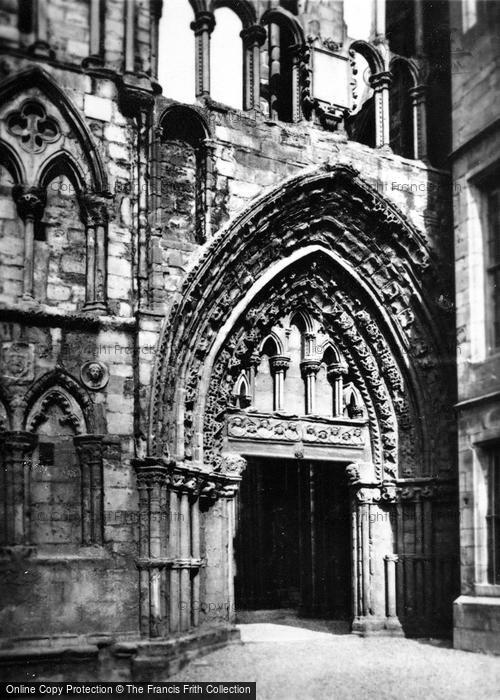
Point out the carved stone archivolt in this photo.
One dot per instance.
(378, 260)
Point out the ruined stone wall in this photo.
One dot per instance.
(49, 343)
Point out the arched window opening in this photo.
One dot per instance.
(226, 59)
(360, 124)
(54, 472)
(352, 401)
(11, 240)
(60, 248)
(242, 391)
(401, 122)
(264, 379)
(277, 72)
(183, 173)
(176, 51)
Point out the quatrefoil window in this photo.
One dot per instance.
(33, 127)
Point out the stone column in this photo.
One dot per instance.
(253, 38)
(195, 553)
(89, 450)
(419, 106)
(95, 58)
(296, 60)
(41, 46)
(184, 559)
(130, 10)
(17, 446)
(309, 370)
(152, 479)
(390, 582)
(255, 360)
(379, 17)
(380, 82)
(156, 7)
(274, 52)
(419, 28)
(173, 572)
(279, 364)
(374, 581)
(30, 202)
(334, 373)
(94, 213)
(203, 26)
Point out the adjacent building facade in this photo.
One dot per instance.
(228, 343)
(475, 161)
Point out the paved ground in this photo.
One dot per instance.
(291, 662)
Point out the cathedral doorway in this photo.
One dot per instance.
(293, 539)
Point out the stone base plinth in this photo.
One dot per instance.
(105, 659)
(476, 623)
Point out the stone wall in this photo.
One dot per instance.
(475, 57)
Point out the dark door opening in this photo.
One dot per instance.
(292, 544)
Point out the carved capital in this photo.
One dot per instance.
(30, 201)
(203, 22)
(18, 442)
(391, 558)
(150, 472)
(88, 447)
(310, 367)
(254, 35)
(94, 209)
(279, 363)
(380, 81)
(336, 370)
(418, 94)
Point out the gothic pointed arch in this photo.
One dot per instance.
(329, 243)
(62, 388)
(12, 163)
(63, 164)
(35, 78)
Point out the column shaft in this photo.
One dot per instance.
(16, 446)
(30, 202)
(203, 26)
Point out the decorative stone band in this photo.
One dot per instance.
(248, 426)
(366, 491)
(168, 563)
(182, 479)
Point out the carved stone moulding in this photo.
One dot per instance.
(196, 483)
(268, 427)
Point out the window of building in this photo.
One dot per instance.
(492, 222)
(493, 517)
